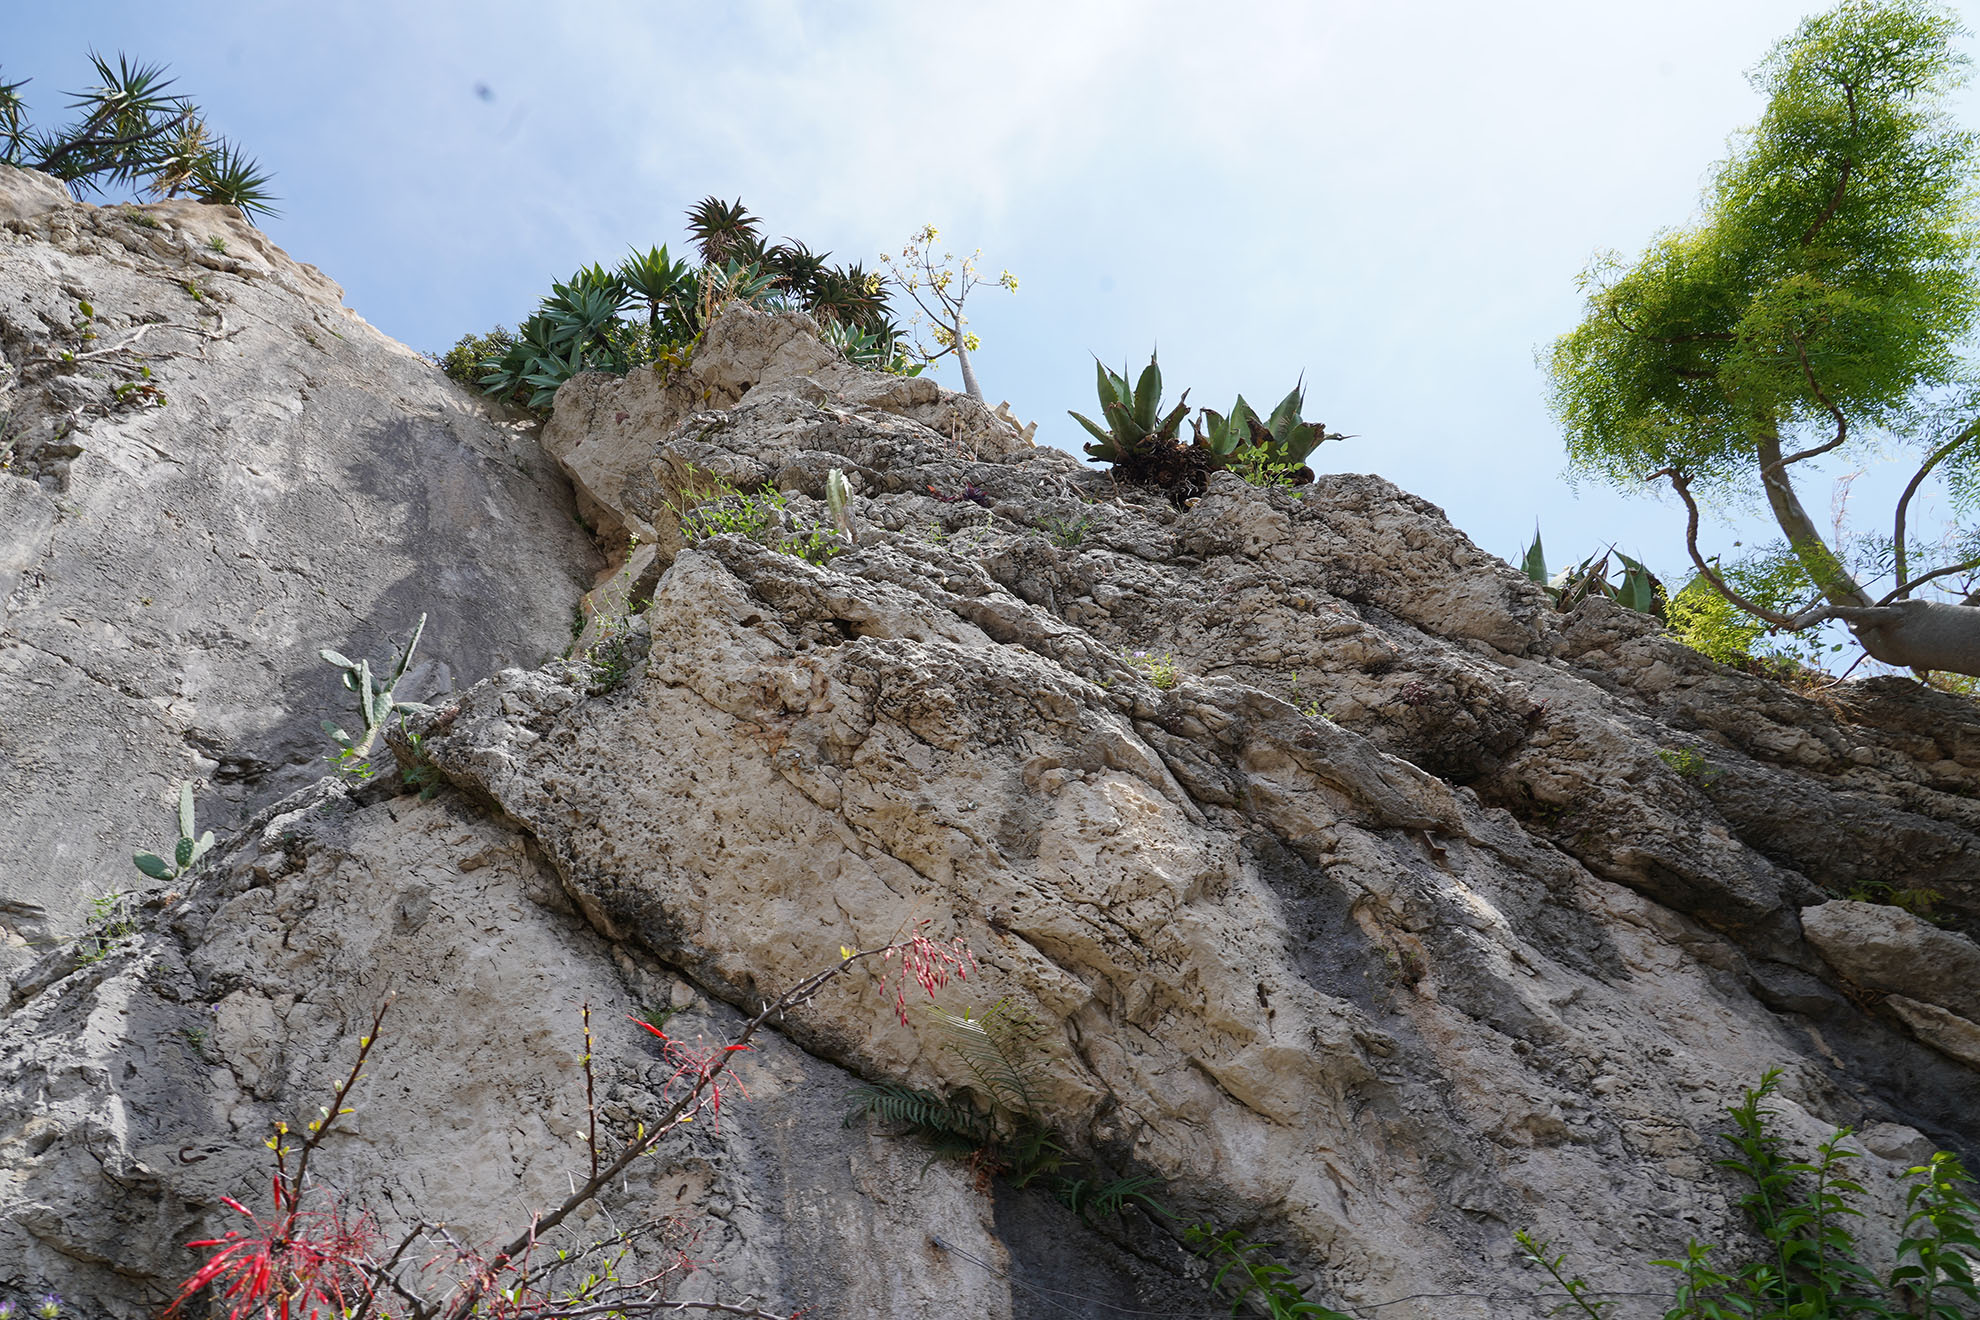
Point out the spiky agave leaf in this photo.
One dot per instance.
(1534, 565)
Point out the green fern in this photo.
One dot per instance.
(1089, 1201)
(928, 1113)
(999, 1047)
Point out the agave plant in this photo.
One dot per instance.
(724, 231)
(1639, 589)
(1283, 440)
(1135, 425)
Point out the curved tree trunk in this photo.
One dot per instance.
(1912, 634)
(1824, 568)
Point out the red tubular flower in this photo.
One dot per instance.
(300, 1265)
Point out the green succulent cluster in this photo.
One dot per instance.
(1284, 439)
(1141, 440)
(1136, 425)
(1638, 589)
(652, 309)
(129, 132)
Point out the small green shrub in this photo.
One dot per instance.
(1158, 669)
(467, 361)
(110, 920)
(215, 243)
(1066, 533)
(1249, 1275)
(1689, 764)
(1810, 1268)
(712, 506)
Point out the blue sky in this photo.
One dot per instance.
(1393, 199)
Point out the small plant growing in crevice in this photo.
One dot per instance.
(377, 702)
(420, 773)
(1066, 533)
(710, 505)
(110, 920)
(1919, 901)
(1159, 670)
(186, 852)
(1689, 763)
(1248, 1274)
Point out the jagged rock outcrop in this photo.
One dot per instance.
(1409, 914)
(208, 469)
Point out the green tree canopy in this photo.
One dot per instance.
(1820, 306)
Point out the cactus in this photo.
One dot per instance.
(376, 702)
(189, 849)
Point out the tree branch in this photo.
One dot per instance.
(1842, 422)
(1824, 568)
(1974, 599)
(1682, 485)
(1904, 502)
(1829, 211)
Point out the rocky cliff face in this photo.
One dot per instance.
(209, 468)
(1403, 914)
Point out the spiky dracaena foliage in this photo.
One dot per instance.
(130, 132)
(724, 231)
(661, 281)
(853, 296)
(189, 849)
(377, 701)
(800, 270)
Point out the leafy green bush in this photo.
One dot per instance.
(1810, 1268)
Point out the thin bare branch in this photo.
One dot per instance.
(293, 1191)
(1682, 485)
(1904, 502)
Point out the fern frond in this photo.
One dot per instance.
(932, 1115)
(998, 1046)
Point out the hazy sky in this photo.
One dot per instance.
(1391, 198)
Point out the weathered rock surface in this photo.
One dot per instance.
(1396, 923)
(209, 468)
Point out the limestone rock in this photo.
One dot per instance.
(210, 473)
(1886, 948)
(1366, 903)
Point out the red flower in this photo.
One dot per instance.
(299, 1265)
